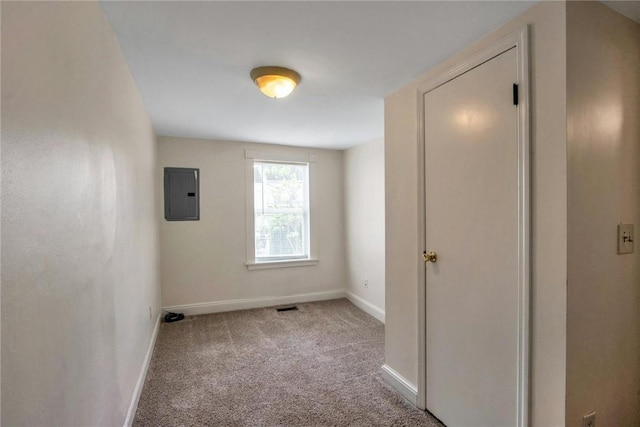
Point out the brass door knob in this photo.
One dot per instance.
(430, 256)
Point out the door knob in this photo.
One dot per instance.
(430, 256)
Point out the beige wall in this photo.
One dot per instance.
(79, 229)
(603, 118)
(404, 244)
(364, 221)
(204, 261)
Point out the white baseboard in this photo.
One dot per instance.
(400, 384)
(137, 391)
(247, 303)
(365, 306)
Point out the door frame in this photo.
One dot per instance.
(520, 41)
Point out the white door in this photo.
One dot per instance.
(471, 222)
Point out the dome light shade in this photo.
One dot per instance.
(275, 82)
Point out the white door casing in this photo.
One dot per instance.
(474, 311)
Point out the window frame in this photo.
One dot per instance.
(278, 157)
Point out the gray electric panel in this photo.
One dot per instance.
(181, 194)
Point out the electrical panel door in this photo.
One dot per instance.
(181, 194)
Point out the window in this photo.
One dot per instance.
(279, 223)
(281, 211)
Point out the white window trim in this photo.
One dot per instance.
(250, 157)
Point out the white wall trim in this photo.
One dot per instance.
(365, 306)
(281, 264)
(519, 40)
(137, 391)
(278, 156)
(247, 303)
(400, 384)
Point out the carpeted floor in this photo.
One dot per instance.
(317, 366)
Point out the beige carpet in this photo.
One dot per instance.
(317, 366)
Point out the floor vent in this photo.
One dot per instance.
(288, 308)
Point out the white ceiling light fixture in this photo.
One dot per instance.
(275, 82)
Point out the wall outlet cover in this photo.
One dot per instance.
(625, 238)
(589, 420)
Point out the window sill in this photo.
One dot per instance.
(280, 264)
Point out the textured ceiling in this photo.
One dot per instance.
(191, 62)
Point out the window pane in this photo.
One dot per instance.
(280, 235)
(280, 203)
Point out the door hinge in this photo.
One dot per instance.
(515, 94)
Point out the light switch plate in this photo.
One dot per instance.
(625, 238)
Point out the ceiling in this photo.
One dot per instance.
(629, 8)
(191, 62)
